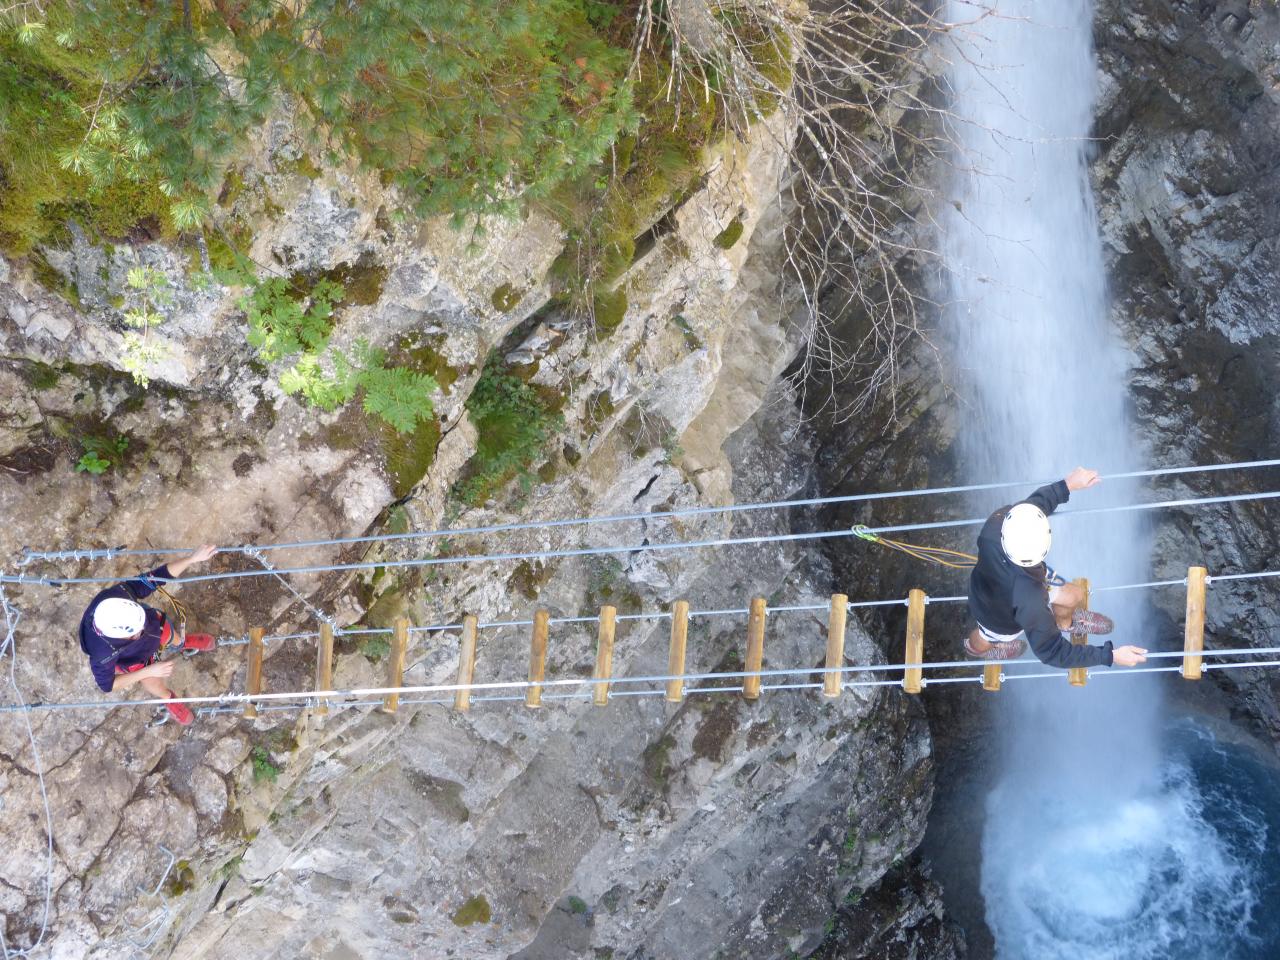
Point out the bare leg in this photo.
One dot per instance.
(1069, 599)
(978, 642)
(156, 687)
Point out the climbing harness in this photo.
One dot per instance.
(179, 611)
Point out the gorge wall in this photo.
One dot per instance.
(714, 828)
(1188, 120)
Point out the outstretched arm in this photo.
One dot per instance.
(1053, 495)
(178, 567)
(1055, 650)
(1082, 479)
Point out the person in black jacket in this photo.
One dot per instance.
(1015, 599)
(122, 637)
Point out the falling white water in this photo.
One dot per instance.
(1094, 845)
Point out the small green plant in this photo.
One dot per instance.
(375, 647)
(100, 453)
(148, 293)
(263, 768)
(671, 446)
(691, 340)
(514, 425)
(605, 577)
(42, 376)
(577, 905)
(92, 463)
(285, 323)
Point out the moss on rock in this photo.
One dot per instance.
(730, 235)
(506, 297)
(609, 307)
(409, 455)
(475, 910)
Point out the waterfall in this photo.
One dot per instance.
(1095, 844)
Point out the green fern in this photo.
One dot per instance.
(290, 324)
(283, 322)
(399, 396)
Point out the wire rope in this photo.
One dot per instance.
(109, 552)
(631, 548)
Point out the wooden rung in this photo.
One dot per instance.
(755, 648)
(466, 663)
(604, 655)
(913, 675)
(537, 657)
(253, 676)
(324, 668)
(395, 663)
(833, 679)
(675, 658)
(991, 676)
(1193, 641)
(1077, 676)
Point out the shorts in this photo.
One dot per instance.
(992, 637)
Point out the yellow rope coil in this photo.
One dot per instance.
(955, 559)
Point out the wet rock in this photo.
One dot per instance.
(1189, 205)
(900, 918)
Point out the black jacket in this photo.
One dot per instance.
(1006, 598)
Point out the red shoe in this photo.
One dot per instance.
(199, 642)
(180, 712)
(1090, 621)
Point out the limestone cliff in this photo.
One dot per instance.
(713, 828)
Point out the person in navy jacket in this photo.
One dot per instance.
(123, 637)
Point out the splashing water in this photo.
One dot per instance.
(1153, 877)
(1096, 844)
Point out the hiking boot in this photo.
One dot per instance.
(199, 642)
(1090, 621)
(999, 650)
(181, 712)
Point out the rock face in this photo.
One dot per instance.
(1189, 205)
(716, 827)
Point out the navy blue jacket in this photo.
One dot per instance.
(104, 656)
(1006, 598)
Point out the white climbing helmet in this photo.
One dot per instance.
(1025, 534)
(118, 618)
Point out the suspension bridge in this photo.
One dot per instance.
(832, 678)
